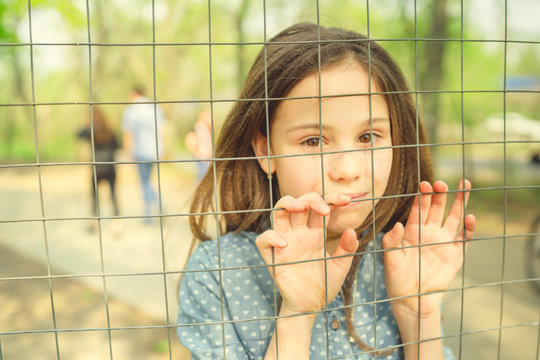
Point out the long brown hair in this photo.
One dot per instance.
(289, 57)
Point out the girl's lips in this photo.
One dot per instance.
(355, 197)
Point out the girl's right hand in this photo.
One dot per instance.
(298, 237)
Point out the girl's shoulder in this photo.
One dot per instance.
(229, 250)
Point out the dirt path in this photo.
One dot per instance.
(26, 306)
(140, 265)
(81, 311)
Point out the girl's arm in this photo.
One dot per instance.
(298, 237)
(293, 336)
(428, 254)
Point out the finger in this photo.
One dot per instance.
(316, 219)
(421, 204)
(348, 244)
(438, 203)
(392, 239)
(469, 227)
(299, 209)
(392, 242)
(318, 208)
(267, 241)
(456, 213)
(316, 203)
(300, 217)
(281, 214)
(337, 199)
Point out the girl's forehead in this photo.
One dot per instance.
(347, 80)
(342, 79)
(342, 114)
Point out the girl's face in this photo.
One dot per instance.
(353, 168)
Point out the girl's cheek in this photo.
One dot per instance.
(306, 165)
(299, 175)
(382, 162)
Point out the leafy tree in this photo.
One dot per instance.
(185, 68)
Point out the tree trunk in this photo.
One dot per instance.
(431, 66)
(20, 95)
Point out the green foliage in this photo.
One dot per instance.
(7, 30)
(187, 71)
(19, 151)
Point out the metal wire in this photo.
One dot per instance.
(174, 215)
(95, 183)
(216, 192)
(418, 164)
(323, 189)
(231, 100)
(170, 326)
(34, 117)
(505, 181)
(224, 43)
(158, 171)
(462, 297)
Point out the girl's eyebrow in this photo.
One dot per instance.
(316, 125)
(376, 120)
(308, 126)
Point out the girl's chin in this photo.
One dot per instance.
(344, 219)
(335, 229)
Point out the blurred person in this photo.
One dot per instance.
(104, 146)
(144, 144)
(199, 142)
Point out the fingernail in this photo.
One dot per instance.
(283, 242)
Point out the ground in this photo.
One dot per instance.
(26, 306)
(495, 316)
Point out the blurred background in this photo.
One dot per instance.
(474, 63)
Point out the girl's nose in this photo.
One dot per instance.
(346, 166)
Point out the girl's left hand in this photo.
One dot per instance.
(427, 253)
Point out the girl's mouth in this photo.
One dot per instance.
(356, 198)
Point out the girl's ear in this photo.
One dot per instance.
(260, 148)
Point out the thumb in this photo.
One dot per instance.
(348, 244)
(267, 242)
(392, 239)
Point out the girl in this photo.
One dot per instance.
(327, 136)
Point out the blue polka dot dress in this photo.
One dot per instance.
(227, 306)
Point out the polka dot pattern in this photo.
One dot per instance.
(242, 327)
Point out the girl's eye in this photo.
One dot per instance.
(365, 138)
(312, 142)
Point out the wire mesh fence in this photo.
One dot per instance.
(88, 280)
